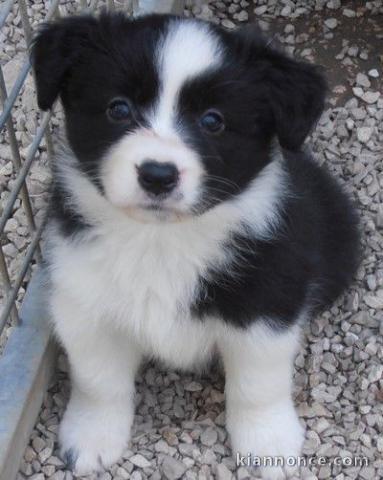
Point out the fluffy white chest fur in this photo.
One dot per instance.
(142, 282)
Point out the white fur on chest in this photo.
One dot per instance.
(142, 282)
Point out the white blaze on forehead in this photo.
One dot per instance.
(188, 49)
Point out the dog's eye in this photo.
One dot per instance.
(119, 110)
(212, 121)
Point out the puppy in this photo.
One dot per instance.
(185, 219)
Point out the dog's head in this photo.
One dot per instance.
(172, 115)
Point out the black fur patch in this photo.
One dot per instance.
(308, 261)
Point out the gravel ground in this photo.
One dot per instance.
(179, 426)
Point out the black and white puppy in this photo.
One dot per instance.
(185, 220)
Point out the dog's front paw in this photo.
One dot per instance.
(93, 438)
(270, 438)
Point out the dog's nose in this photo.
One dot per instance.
(157, 178)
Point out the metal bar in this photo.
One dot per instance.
(52, 11)
(7, 285)
(17, 159)
(17, 86)
(28, 40)
(7, 212)
(93, 4)
(25, 22)
(5, 12)
(22, 75)
(21, 275)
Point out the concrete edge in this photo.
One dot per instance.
(25, 370)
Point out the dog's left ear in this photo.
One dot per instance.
(296, 94)
(55, 49)
(295, 89)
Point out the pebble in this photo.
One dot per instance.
(139, 461)
(260, 10)
(209, 437)
(375, 301)
(364, 134)
(373, 73)
(347, 12)
(334, 4)
(331, 23)
(228, 24)
(362, 80)
(371, 97)
(193, 387)
(376, 373)
(242, 16)
(286, 10)
(172, 468)
(222, 472)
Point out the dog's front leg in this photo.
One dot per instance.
(96, 425)
(261, 418)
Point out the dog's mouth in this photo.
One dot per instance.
(156, 207)
(155, 212)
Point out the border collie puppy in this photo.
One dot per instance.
(186, 220)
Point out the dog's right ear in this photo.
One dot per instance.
(55, 49)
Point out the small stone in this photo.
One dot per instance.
(121, 472)
(11, 226)
(367, 473)
(222, 472)
(172, 468)
(376, 373)
(347, 12)
(334, 4)
(242, 16)
(374, 301)
(29, 454)
(209, 437)
(331, 23)
(364, 134)
(371, 97)
(362, 80)
(350, 124)
(49, 470)
(228, 23)
(371, 282)
(358, 92)
(373, 73)
(260, 10)
(45, 454)
(59, 475)
(286, 11)
(139, 461)
(161, 447)
(324, 472)
(193, 387)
